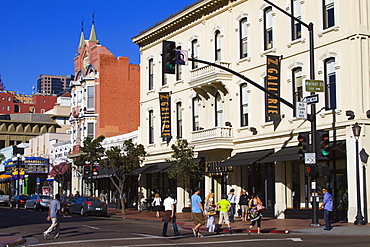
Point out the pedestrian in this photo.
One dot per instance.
(77, 194)
(210, 208)
(102, 196)
(224, 206)
(243, 202)
(327, 205)
(54, 208)
(169, 215)
(157, 204)
(254, 213)
(198, 212)
(231, 197)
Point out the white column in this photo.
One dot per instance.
(280, 195)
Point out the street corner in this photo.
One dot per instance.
(7, 239)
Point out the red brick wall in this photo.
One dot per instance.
(43, 102)
(117, 96)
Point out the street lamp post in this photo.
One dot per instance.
(359, 218)
(18, 160)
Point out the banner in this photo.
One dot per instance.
(273, 85)
(165, 109)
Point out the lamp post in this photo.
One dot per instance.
(359, 218)
(18, 160)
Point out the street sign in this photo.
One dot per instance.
(312, 99)
(314, 85)
(181, 57)
(301, 110)
(309, 158)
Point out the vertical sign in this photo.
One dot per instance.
(273, 85)
(165, 108)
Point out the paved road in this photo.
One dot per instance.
(102, 231)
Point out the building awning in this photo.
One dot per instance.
(152, 168)
(284, 154)
(59, 169)
(156, 168)
(246, 158)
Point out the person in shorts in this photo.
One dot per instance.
(224, 206)
(198, 212)
(243, 202)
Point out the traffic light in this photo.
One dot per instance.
(303, 142)
(87, 171)
(94, 171)
(168, 57)
(323, 137)
(310, 170)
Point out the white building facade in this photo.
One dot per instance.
(224, 116)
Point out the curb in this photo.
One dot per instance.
(14, 240)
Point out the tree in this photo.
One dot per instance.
(92, 152)
(122, 163)
(185, 165)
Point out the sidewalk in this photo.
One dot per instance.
(269, 225)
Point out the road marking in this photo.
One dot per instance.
(93, 227)
(89, 240)
(215, 242)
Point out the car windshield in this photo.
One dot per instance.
(93, 199)
(68, 199)
(45, 197)
(24, 197)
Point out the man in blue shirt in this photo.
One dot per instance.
(54, 208)
(198, 212)
(328, 208)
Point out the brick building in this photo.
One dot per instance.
(105, 93)
(12, 103)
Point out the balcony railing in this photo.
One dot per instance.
(203, 75)
(217, 132)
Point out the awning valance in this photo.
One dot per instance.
(59, 169)
(284, 154)
(246, 158)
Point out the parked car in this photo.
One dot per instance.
(85, 205)
(65, 203)
(39, 202)
(18, 201)
(4, 199)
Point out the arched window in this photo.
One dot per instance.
(296, 12)
(179, 120)
(268, 32)
(194, 53)
(243, 38)
(244, 105)
(297, 86)
(328, 13)
(195, 113)
(330, 84)
(219, 110)
(151, 126)
(217, 46)
(150, 75)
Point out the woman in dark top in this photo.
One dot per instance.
(243, 202)
(254, 214)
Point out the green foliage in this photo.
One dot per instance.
(186, 166)
(92, 150)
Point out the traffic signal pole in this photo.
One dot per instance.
(312, 117)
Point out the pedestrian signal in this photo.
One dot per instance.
(310, 170)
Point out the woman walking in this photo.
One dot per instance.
(254, 213)
(210, 208)
(243, 202)
(157, 204)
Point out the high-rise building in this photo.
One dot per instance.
(53, 84)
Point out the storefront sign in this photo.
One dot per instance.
(165, 109)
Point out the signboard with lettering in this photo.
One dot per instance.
(273, 85)
(165, 109)
(315, 86)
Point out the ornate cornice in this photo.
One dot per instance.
(176, 21)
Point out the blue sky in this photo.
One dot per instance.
(41, 36)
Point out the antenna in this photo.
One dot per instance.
(93, 17)
(82, 24)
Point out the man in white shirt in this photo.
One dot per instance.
(169, 215)
(231, 197)
(54, 208)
